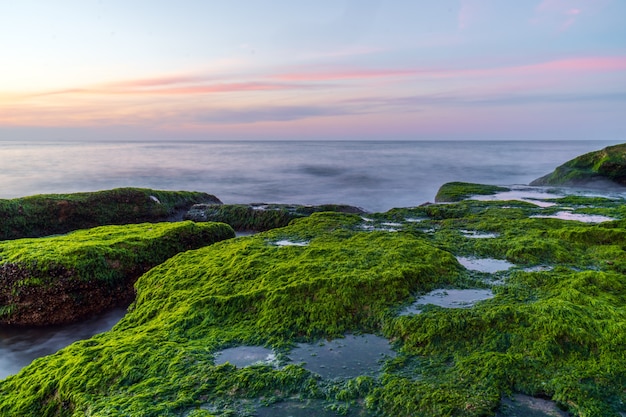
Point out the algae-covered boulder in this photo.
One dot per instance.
(44, 215)
(159, 360)
(457, 191)
(594, 168)
(554, 328)
(260, 217)
(62, 279)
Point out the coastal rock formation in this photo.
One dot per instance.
(66, 278)
(457, 191)
(44, 215)
(592, 169)
(260, 217)
(554, 328)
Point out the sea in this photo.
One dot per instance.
(375, 176)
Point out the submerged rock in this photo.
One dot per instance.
(66, 278)
(44, 215)
(260, 217)
(591, 169)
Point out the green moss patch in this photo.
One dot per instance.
(159, 359)
(457, 191)
(260, 217)
(555, 331)
(607, 164)
(44, 215)
(63, 278)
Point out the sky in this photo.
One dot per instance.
(323, 69)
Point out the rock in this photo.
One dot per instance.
(557, 331)
(44, 215)
(259, 217)
(599, 168)
(457, 191)
(63, 279)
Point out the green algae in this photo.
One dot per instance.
(54, 279)
(606, 164)
(49, 214)
(457, 191)
(558, 333)
(260, 217)
(158, 359)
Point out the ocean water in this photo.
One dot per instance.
(375, 176)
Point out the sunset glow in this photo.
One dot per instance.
(336, 70)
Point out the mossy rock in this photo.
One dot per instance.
(44, 215)
(458, 191)
(62, 279)
(260, 217)
(594, 168)
(158, 361)
(556, 332)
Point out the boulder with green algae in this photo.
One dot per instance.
(62, 279)
(158, 360)
(594, 168)
(44, 215)
(260, 217)
(456, 191)
(556, 330)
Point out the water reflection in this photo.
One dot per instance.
(489, 265)
(343, 358)
(448, 299)
(585, 218)
(20, 346)
(525, 406)
(242, 356)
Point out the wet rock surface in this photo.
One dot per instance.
(595, 169)
(45, 215)
(260, 216)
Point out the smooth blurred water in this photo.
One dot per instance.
(376, 176)
(20, 346)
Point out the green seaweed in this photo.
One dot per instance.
(606, 164)
(557, 333)
(259, 217)
(49, 214)
(39, 275)
(457, 191)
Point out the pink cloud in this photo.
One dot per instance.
(557, 13)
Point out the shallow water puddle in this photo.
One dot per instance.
(343, 358)
(286, 242)
(489, 265)
(525, 406)
(474, 234)
(528, 195)
(242, 356)
(448, 299)
(304, 409)
(414, 219)
(585, 218)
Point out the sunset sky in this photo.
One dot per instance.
(323, 69)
